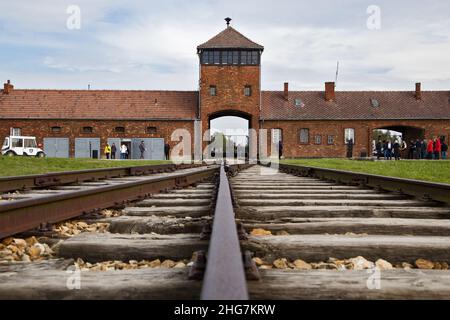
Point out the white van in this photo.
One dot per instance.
(21, 146)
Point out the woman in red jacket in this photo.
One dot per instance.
(430, 149)
(437, 149)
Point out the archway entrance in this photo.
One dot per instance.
(406, 134)
(229, 134)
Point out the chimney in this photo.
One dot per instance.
(286, 91)
(329, 91)
(418, 91)
(8, 87)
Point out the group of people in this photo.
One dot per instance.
(110, 151)
(432, 149)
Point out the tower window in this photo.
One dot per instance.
(235, 57)
(213, 91)
(244, 59)
(247, 91)
(216, 57)
(255, 57)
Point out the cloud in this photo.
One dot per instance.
(151, 44)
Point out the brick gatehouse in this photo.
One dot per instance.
(310, 123)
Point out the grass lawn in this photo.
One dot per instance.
(18, 166)
(434, 171)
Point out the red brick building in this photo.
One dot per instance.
(310, 123)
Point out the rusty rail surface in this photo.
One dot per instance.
(23, 215)
(225, 275)
(421, 189)
(61, 178)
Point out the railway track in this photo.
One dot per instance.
(310, 238)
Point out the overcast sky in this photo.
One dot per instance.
(152, 44)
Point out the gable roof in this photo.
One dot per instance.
(230, 38)
(355, 105)
(101, 105)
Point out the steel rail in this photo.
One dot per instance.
(421, 189)
(8, 184)
(225, 275)
(23, 215)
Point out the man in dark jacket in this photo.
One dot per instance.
(444, 150)
(167, 151)
(396, 150)
(113, 151)
(418, 150)
(142, 149)
(379, 148)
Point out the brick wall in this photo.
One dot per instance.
(102, 129)
(230, 82)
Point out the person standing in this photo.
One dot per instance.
(424, 149)
(389, 150)
(113, 151)
(396, 150)
(123, 152)
(412, 150)
(167, 151)
(379, 149)
(437, 148)
(430, 150)
(108, 151)
(142, 149)
(350, 144)
(280, 149)
(444, 150)
(418, 150)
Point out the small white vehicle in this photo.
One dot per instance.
(21, 146)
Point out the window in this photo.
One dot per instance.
(87, 130)
(213, 91)
(119, 129)
(16, 132)
(299, 103)
(151, 130)
(349, 135)
(375, 103)
(56, 129)
(29, 143)
(330, 140)
(318, 139)
(255, 58)
(247, 91)
(216, 57)
(205, 57)
(235, 57)
(6, 143)
(244, 59)
(304, 136)
(16, 143)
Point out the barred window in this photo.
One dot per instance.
(56, 129)
(318, 139)
(304, 136)
(87, 130)
(247, 91)
(213, 91)
(330, 140)
(120, 129)
(151, 130)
